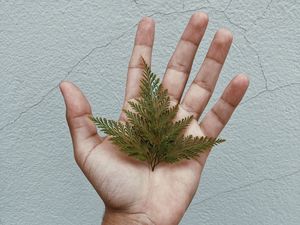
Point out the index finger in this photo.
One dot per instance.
(142, 48)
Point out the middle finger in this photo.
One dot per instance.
(180, 64)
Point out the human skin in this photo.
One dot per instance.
(131, 192)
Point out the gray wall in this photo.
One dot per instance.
(253, 178)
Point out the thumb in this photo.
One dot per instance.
(83, 131)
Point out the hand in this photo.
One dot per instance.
(131, 192)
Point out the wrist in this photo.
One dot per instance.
(120, 218)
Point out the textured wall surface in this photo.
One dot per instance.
(253, 178)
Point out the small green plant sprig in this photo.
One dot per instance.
(150, 132)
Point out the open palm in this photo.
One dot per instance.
(132, 193)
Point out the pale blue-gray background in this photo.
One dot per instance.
(253, 178)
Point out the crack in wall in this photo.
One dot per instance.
(259, 61)
(270, 90)
(176, 12)
(65, 77)
(266, 88)
(229, 19)
(198, 9)
(263, 14)
(255, 20)
(28, 109)
(236, 189)
(228, 5)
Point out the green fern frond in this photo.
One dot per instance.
(150, 132)
(189, 147)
